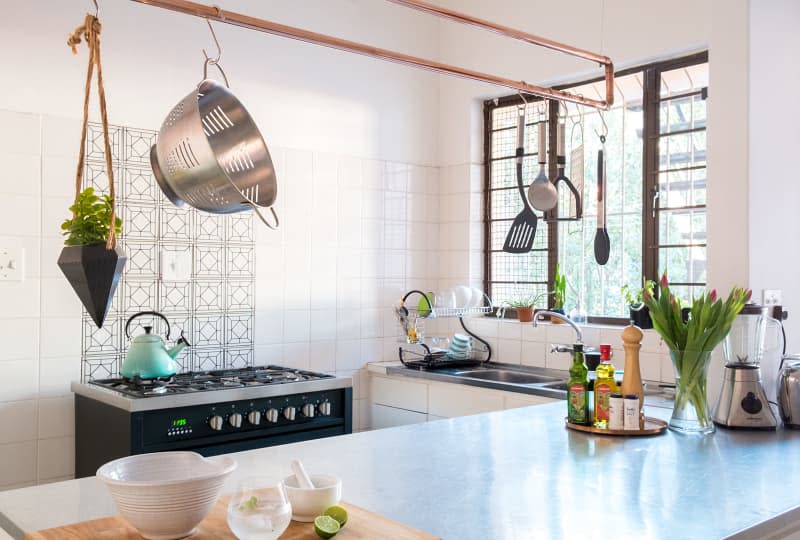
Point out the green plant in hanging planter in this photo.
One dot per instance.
(92, 261)
(91, 216)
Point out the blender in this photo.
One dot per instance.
(743, 402)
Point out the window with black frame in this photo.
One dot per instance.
(653, 142)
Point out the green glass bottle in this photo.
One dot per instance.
(578, 389)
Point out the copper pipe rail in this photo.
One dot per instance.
(245, 21)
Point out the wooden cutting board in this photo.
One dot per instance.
(361, 525)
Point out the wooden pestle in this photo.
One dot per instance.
(632, 376)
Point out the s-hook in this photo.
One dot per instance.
(214, 61)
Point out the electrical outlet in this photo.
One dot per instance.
(771, 297)
(12, 264)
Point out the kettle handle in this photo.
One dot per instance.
(156, 313)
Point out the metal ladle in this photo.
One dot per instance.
(542, 194)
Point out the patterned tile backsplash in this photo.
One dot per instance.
(214, 306)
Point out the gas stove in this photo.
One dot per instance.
(210, 412)
(203, 381)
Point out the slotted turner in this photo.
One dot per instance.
(523, 229)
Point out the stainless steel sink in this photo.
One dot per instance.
(506, 376)
(558, 385)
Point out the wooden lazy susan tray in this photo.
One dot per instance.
(652, 426)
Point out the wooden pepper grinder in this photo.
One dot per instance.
(632, 376)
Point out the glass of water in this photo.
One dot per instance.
(259, 509)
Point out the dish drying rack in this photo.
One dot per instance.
(434, 359)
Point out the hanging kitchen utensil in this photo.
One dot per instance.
(561, 159)
(93, 270)
(211, 155)
(576, 161)
(523, 229)
(602, 243)
(542, 193)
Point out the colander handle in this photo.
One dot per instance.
(261, 217)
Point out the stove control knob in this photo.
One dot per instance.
(325, 408)
(289, 413)
(308, 410)
(216, 422)
(254, 417)
(272, 415)
(235, 420)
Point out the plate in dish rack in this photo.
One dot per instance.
(652, 426)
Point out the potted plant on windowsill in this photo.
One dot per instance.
(524, 305)
(91, 266)
(559, 294)
(639, 312)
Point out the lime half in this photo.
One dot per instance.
(326, 526)
(338, 513)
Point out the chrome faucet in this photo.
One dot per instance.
(558, 316)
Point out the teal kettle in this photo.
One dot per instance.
(148, 357)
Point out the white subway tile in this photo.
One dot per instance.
(57, 417)
(20, 338)
(509, 329)
(20, 380)
(296, 227)
(371, 350)
(296, 355)
(20, 215)
(531, 333)
(349, 232)
(556, 360)
(432, 235)
(268, 354)
(296, 325)
(432, 180)
(372, 261)
(395, 263)
(372, 233)
(268, 327)
(56, 374)
(324, 231)
(350, 202)
(652, 342)
(21, 174)
(323, 324)
(396, 176)
(417, 179)
(61, 336)
(370, 293)
(54, 211)
(350, 174)
(487, 327)
(395, 234)
(297, 292)
(476, 181)
(392, 328)
(348, 263)
(61, 136)
(326, 170)
(18, 421)
(372, 204)
(56, 457)
(58, 176)
(560, 333)
(348, 324)
(372, 174)
(348, 354)
(534, 353)
(394, 205)
(371, 323)
(509, 351)
(18, 463)
(322, 356)
(21, 133)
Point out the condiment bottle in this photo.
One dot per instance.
(604, 386)
(632, 376)
(578, 389)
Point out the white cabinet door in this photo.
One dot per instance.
(451, 400)
(382, 416)
(515, 400)
(399, 392)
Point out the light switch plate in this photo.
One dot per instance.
(176, 265)
(12, 264)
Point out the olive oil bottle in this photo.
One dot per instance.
(604, 386)
(578, 389)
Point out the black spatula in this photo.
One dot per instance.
(602, 243)
(523, 229)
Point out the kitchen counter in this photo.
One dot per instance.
(516, 474)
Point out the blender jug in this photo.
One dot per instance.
(751, 331)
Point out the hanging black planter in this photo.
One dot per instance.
(94, 272)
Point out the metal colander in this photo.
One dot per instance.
(211, 155)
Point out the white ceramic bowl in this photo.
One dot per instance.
(309, 503)
(166, 495)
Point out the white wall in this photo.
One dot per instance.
(354, 143)
(773, 136)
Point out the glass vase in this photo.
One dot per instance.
(691, 414)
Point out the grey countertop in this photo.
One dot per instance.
(516, 474)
